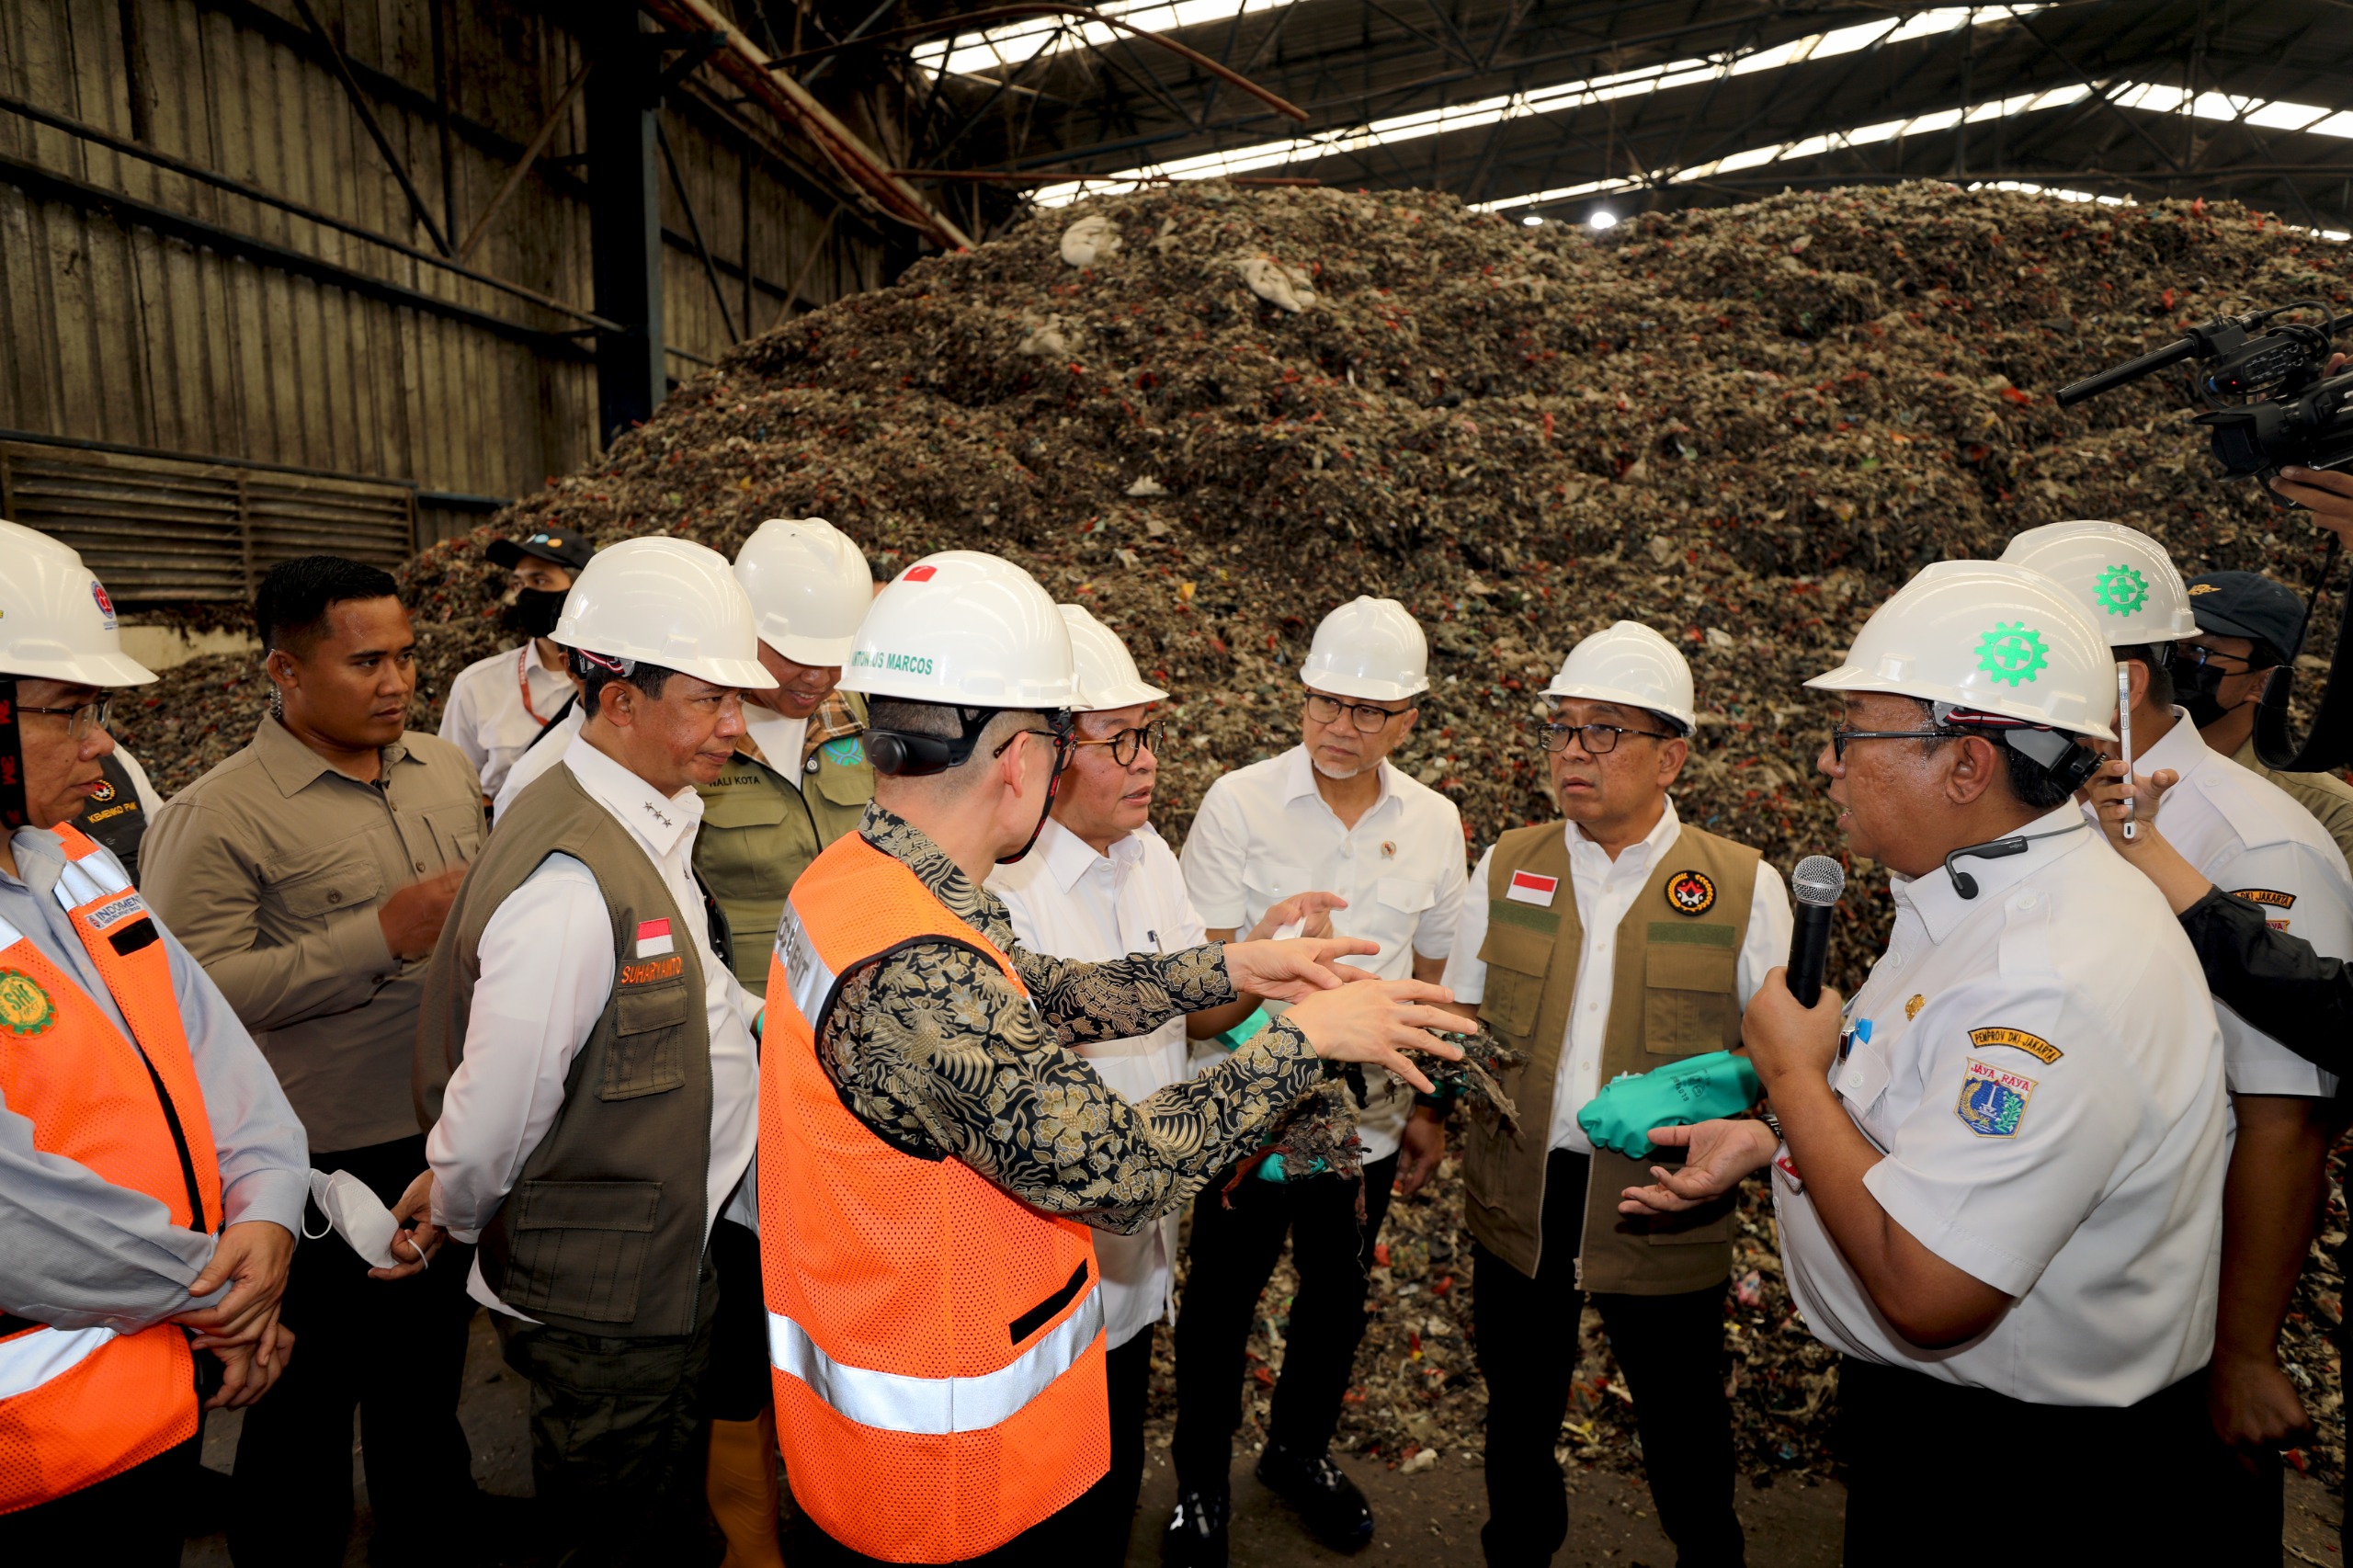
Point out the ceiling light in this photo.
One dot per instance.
(1602, 219)
(1533, 220)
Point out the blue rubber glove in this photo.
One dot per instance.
(1274, 1168)
(1694, 1089)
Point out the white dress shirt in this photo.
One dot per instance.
(778, 738)
(2248, 836)
(2042, 1067)
(1066, 900)
(1263, 833)
(524, 770)
(484, 716)
(1605, 891)
(547, 973)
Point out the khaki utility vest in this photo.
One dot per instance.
(763, 823)
(1674, 993)
(604, 1231)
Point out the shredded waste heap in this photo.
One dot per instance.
(1212, 416)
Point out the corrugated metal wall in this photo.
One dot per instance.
(251, 333)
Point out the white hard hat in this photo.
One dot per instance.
(809, 587)
(1992, 636)
(1629, 664)
(1107, 676)
(669, 602)
(1367, 647)
(967, 628)
(2124, 578)
(56, 622)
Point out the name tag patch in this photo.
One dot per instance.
(646, 972)
(2034, 1045)
(2271, 897)
(112, 914)
(653, 937)
(1527, 887)
(1993, 1101)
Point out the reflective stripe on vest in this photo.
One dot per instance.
(812, 984)
(935, 1407)
(31, 1359)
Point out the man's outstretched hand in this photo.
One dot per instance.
(251, 1258)
(1378, 1022)
(1295, 970)
(1718, 1155)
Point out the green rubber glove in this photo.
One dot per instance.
(1274, 1168)
(1240, 1034)
(1694, 1089)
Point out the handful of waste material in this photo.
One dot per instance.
(1694, 1089)
(1317, 1135)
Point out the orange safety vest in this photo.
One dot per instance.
(80, 1404)
(936, 1345)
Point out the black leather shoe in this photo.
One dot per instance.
(1316, 1484)
(1195, 1534)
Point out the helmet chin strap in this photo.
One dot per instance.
(1061, 722)
(14, 812)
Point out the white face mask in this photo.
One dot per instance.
(358, 1215)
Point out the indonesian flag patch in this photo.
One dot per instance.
(1527, 887)
(653, 937)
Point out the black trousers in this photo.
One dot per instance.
(1671, 1349)
(618, 1438)
(1939, 1475)
(1230, 1257)
(1128, 1369)
(396, 1352)
(131, 1520)
(739, 1386)
(1072, 1534)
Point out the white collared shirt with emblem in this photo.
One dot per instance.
(484, 714)
(547, 972)
(1605, 889)
(525, 769)
(1263, 833)
(2042, 1068)
(2250, 837)
(1067, 901)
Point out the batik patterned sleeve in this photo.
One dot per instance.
(1119, 998)
(937, 1053)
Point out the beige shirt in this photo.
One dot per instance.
(271, 869)
(2327, 797)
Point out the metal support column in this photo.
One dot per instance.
(625, 211)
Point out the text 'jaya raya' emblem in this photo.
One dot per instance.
(2120, 590)
(2011, 653)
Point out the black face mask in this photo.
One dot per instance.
(2195, 687)
(534, 611)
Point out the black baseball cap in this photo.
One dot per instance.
(566, 548)
(2249, 603)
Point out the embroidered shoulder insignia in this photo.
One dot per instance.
(845, 753)
(1692, 893)
(1993, 1101)
(2271, 897)
(25, 1007)
(2034, 1045)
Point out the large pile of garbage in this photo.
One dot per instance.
(1212, 416)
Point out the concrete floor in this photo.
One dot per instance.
(1432, 1516)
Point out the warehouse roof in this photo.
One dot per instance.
(1559, 110)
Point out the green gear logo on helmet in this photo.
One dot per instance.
(2011, 653)
(2120, 590)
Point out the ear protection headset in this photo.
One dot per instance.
(2067, 759)
(905, 754)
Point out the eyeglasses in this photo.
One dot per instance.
(1839, 737)
(1128, 744)
(1599, 740)
(2197, 656)
(1368, 717)
(1061, 734)
(80, 719)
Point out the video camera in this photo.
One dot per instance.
(2270, 404)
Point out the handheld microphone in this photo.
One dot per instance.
(1817, 882)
